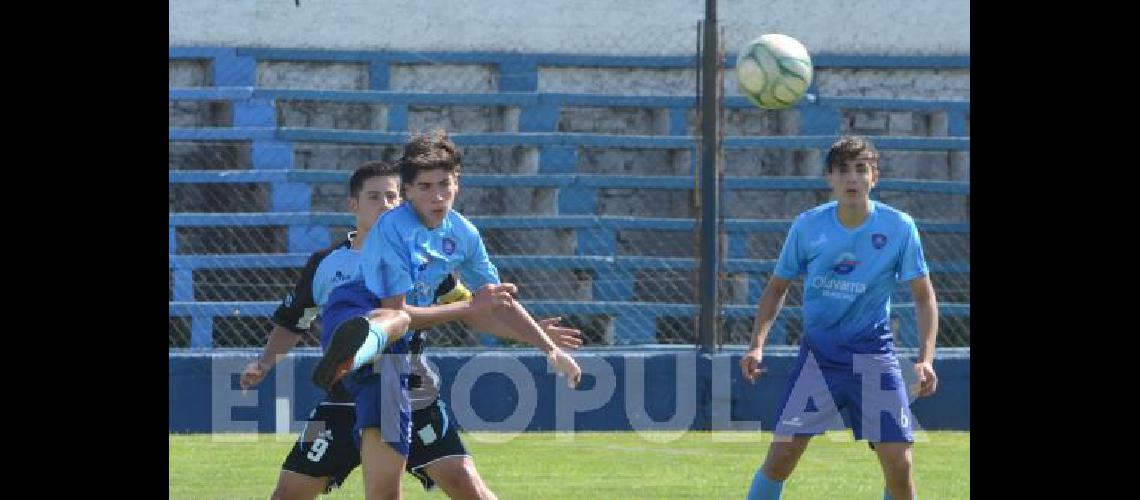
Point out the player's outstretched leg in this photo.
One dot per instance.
(459, 479)
(292, 486)
(357, 342)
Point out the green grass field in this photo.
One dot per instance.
(596, 465)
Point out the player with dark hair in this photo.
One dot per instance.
(852, 252)
(412, 249)
(326, 452)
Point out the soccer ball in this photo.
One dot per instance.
(774, 71)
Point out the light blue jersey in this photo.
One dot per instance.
(850, 273)
(402, 256)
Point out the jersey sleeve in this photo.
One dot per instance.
(912, 261)
(477, 270)
(297, 309)
(385, 260)
(792, 261)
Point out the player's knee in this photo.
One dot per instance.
(898, 461)
(466, 477)
(781, 460)
(288, 491)
(464, 481)
(401, 320)
(395, 322)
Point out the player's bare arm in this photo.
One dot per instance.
(771, 301)
(926, 312)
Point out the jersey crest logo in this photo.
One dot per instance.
(878, 241)
(448, 246)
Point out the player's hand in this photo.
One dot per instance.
(253, 373)
(750, 364)
(564, 365)
(492, 296)
(927, 380)
(563, 336)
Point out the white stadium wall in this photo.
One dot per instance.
(656, 27)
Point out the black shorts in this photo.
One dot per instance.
(435, 435)
(326, 447)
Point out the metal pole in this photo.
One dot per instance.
(709, 196)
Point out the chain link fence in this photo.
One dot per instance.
(579, 170)
(561, 158)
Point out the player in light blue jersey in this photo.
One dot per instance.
(408, 253)
(324, 453)
(851, 252)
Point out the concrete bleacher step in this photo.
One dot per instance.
(241, 156)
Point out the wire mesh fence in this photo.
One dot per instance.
(560, 159)
(580, 171)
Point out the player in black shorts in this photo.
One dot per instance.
(325, 452)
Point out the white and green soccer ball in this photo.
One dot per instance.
(774, 71)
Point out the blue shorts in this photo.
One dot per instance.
(380, 389)
(383, 400)
(870, 388)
